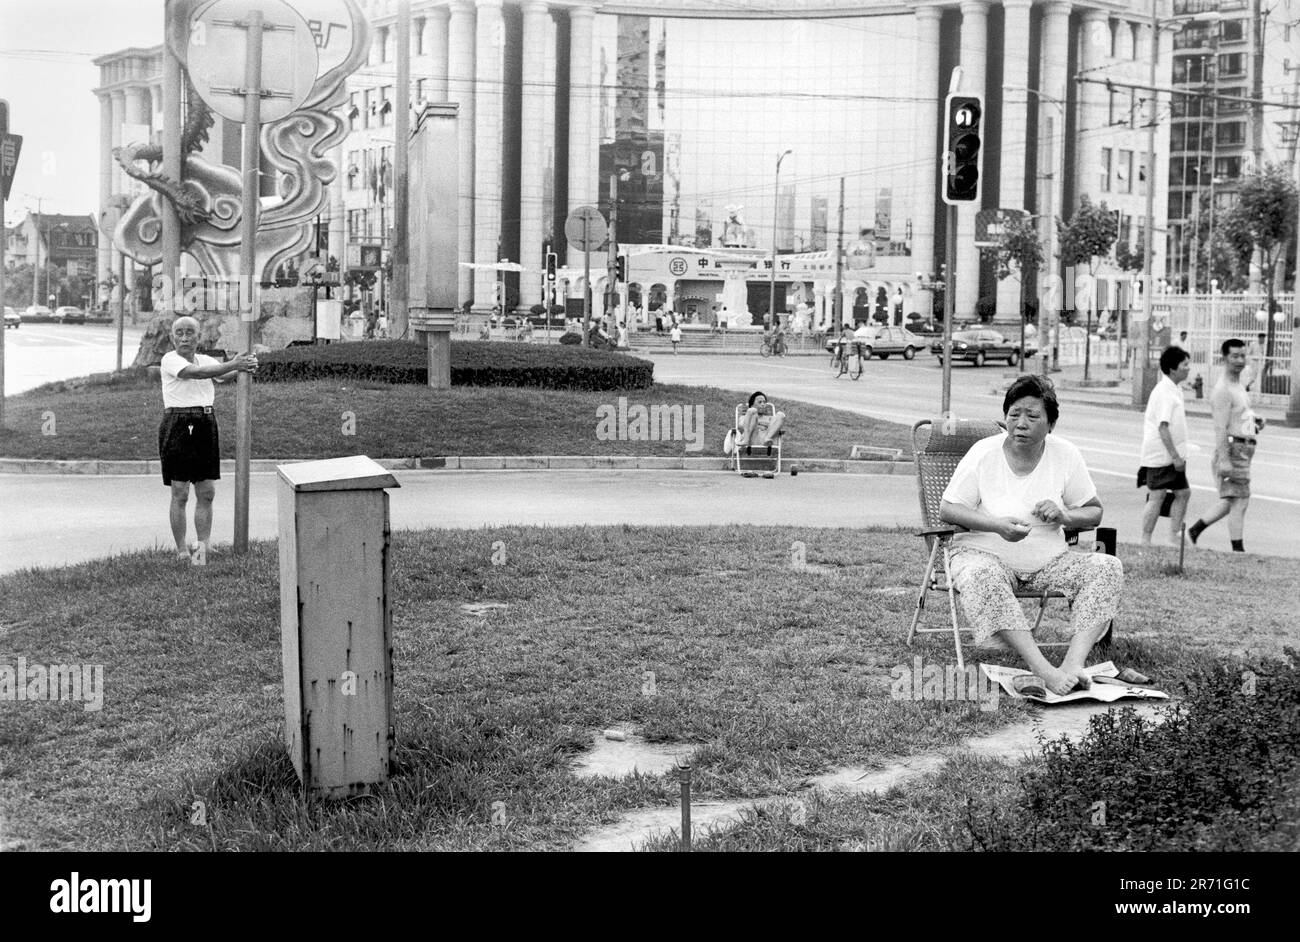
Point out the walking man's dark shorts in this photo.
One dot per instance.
(188, 445)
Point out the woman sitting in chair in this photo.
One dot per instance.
(1016, 493)
(756, 423)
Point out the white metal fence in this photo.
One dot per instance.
(1211, 319)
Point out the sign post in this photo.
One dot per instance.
(585, 229)
(10, 146)
(214, 58)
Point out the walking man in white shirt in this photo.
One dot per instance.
(1235, 428)
(187, 439)
(1163, 464)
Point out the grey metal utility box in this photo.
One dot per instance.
(336, 622)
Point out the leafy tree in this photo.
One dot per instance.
(1085, 240)
(1129, 259)
(1019, 250)
(1264, 218)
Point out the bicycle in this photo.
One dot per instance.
(844, 360)
(773, 345)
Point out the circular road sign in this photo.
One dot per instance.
(585, 229)
(217, 54)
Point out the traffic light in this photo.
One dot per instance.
(550, 266)
(620, 268)
(962, 148)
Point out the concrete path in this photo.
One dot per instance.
(1012, 744)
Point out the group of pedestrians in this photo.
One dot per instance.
(1163, 470)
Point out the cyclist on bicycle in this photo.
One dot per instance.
(843, 348)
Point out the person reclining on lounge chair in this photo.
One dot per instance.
(758, 429)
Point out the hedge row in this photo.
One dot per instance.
(473, 363)
(1220, 773)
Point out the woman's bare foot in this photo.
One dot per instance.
(1060, 682)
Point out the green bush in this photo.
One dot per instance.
(473, 363)
(1219, 774)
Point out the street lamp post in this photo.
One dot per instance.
(776, 210)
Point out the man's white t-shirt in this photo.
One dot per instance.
(984, 481)
(676, 334)
(1165, 405)
(185, 393)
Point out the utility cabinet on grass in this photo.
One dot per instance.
(336, 623)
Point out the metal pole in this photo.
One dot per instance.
(685, 773)
(1142, 363)
(121, 305)
(776, 211)
(586, 281)
(248, 262)
(173, 89)
(36, 272)
(837, 302)
(949, 289)
(3, 330)
(399, 306)
(611, 267)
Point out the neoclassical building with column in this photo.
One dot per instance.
(690, 103)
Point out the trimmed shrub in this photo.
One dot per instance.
(473, 363)
(1219, 774)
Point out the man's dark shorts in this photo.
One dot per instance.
(1164, 478)
(188, 446)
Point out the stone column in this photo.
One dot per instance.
(1091, 131)
(137, 107)
(1124, 41)
(489, 107)
(435, 47)
(1015, 119)
(974, 55)
(118, 116)
(460, 89)
(930, 93)
(1052, 87)
(106, 163)
(582, 111)
(533, 167)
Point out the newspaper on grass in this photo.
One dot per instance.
(1025, 685)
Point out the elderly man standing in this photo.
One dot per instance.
(187, 439)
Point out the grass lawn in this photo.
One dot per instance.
(774, 673)
(307, 420)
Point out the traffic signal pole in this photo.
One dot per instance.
(962, 161)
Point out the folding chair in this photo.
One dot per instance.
(758, 460)
(938, 449)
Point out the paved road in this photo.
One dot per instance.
(41, 353)
(50, 520)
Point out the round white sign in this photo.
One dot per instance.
(218, 52)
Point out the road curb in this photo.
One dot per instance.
(470, 463)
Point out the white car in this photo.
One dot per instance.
(12, 319)
(38, 310)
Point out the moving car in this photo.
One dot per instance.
(37, 310)
(12, 319)
(979, 346)
(68, 314)
(885, 342)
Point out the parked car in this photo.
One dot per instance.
(885, 342)
(12, 319)
(979, 346)
(38, 310)
(69, 314)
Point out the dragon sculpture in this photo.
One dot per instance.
(208, 197)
